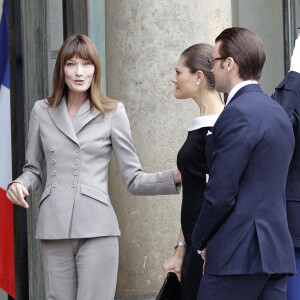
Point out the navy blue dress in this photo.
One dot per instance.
(191, 162)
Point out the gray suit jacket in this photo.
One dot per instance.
(75, 202)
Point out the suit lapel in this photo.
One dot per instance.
(84, 116)
(210, 138)
(61, 119)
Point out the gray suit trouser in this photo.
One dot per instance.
(80, 269)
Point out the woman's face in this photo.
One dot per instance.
(185, 82)
(79, 74)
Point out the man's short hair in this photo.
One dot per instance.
(246, 49)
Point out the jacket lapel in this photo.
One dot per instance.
(61, 119)
(210, 138)
(84, 116)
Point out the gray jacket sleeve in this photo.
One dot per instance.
(137, 182)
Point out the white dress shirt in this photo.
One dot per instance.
(239, 86)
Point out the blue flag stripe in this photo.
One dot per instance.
(4, 47)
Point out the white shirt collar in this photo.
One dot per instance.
(205, 121)
(239, 86)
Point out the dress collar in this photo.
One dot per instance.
(205, 121)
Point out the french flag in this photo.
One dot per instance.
(7, 274)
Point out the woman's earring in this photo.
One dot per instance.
(198, 82)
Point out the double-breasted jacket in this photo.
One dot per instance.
(75, 202)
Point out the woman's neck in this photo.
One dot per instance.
(209, 102)
(74, 101)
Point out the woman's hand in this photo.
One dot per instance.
(177, 176)
(16, 193)
(174, 263)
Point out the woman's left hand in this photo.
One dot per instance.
(174, 263)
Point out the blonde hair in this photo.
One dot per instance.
(80, 46)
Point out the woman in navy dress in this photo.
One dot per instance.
(193, 79)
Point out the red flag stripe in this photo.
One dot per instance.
(7, 272)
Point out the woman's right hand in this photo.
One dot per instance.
(16, 193)
(174, 263)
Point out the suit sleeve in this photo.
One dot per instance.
(234, 142)
(287, 94)
(31, 177)
(137, 182)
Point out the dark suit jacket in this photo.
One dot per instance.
(287, 94)
(243, 219)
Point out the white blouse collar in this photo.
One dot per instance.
(205, 121)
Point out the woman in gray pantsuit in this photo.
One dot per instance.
(74, 131)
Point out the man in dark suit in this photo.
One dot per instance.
(243, 223)
(287, 93)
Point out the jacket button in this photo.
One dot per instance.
(77, 150)
(52, 149)
(54, 173)
(53, 161)
(73, 184)
(75, 173)
(76, 161)
(55, 184)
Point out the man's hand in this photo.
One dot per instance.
(203, 256)
(16, 193)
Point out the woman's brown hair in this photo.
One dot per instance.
(196, 58)
(80, 46)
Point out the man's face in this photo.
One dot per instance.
(219, 70)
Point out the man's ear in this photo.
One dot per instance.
(229, 63)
